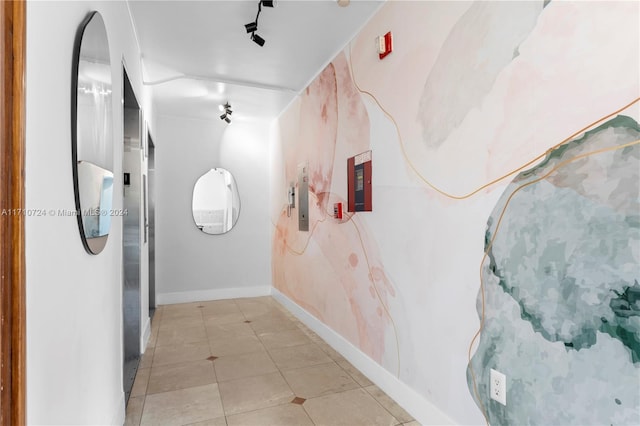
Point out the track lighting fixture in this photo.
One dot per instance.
(257, 39)
(252, 27)
(227, 112)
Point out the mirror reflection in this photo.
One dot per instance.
(216, 202)
(92, 146)
(96, 195)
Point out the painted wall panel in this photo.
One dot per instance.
(560, 283)
(481, 92)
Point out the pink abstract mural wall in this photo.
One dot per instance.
(337, 255)
(473, 94)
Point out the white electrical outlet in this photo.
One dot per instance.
(498, 387)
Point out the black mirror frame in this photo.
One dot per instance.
(77, 45)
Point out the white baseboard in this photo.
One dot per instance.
(425, 412)
(120, 411)
(216, 294)
(146, 335)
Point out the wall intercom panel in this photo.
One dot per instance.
(303, 197)
(291, 195)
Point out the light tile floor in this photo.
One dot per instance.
(246, 362)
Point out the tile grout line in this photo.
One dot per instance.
(273, 406)
(277, 368)
(215, 372)
(288, 384)
(311, 339)
(383, 407)
(183, 362)
(144, 397)
(213, 364)
(343, 369)
(265, 350)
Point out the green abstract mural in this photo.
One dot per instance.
(561, 286)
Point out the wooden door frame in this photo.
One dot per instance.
(12, 214)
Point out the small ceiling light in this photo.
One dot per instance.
(257, 39)
(227, 112)
(251, 27)
(220, 107)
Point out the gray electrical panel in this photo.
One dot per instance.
(303, 197)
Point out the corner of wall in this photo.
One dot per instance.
(415, 404)
(146, 334)
(120, 411)
(213, 294)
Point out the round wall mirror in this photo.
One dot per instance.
(216, 202)
(92, 133)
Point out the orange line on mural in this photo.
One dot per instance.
(494, 181)
(291, 249)
(371, 275)
(300, 253)
(490, 244)
(373, 282)
(490, 183)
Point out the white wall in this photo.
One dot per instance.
(190, 264)
(74, 300)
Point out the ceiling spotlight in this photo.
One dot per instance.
(251, 27)
(227, 112)
(220, 107)
(259, 40)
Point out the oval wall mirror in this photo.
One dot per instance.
(92, 133)
(216, 202)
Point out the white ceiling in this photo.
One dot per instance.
(203, 56)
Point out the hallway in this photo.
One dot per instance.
(249, 362)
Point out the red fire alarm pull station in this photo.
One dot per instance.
(359, 182)
(385, 45)
(337, 210)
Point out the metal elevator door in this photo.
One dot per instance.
(131, 165)
(152, 226)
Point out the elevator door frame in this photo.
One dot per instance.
(151, 199)
(131, 241)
